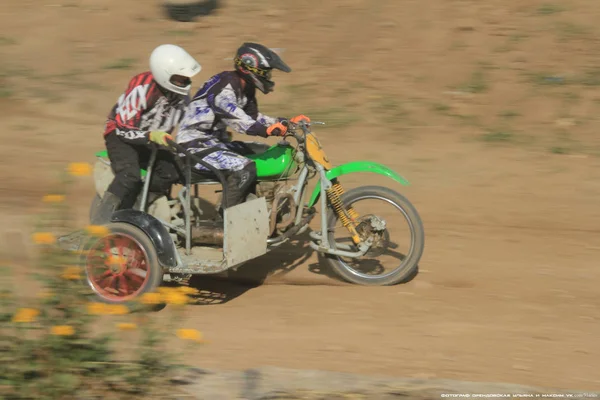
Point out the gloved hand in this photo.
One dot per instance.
(160, 137)
(277, 129)
(299, 118)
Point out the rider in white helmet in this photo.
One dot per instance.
(148, 110)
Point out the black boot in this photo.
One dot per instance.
(106, 208)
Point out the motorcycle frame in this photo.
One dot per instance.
(320, 239)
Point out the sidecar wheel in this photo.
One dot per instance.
(121, 265)
(408, 264)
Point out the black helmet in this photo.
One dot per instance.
(255, 63)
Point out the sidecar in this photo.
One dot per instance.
(169, 237)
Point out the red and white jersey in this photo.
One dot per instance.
(142, 108)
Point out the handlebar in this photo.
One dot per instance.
(302, 125)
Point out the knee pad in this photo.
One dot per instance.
(240, 183)
(247, 176)
(130, 179)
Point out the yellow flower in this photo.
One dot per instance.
(126, 326)
(97, 230)
(44, 238)
(167, 290)
(71, 273)
(96, 308)
(80, 169)
(62, 330)
(176, 298)
(188, 290)
(25, 315)
(151, 298)
(190, 334)
(53, 198)
(116, 309)
(107, 309)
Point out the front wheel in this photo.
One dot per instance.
(121, 265)
(370, 269)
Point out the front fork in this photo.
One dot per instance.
(347, 215)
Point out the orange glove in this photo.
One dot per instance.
(277, 129)
(299, 118)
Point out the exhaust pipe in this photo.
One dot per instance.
(207, 233)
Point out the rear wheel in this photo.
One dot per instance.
(122, 265)
(370, 269)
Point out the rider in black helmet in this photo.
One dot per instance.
(228, 99)
(255, 64)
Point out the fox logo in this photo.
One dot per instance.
(128, 106)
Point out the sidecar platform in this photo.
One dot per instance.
(246, 230)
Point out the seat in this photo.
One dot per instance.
(257, 148)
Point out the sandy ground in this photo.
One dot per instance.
(488, 110)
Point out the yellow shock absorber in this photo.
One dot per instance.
(347, 216)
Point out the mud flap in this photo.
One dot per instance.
(155, 230)
(246, 231)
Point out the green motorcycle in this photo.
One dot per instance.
(172, 236)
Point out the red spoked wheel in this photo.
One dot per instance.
(122, 265)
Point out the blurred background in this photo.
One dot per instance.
(489, 109)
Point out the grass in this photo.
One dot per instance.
(440, 108)
(559, 150)
(565, 142)
(446, 110)
(518, 37)
(6, 92)
(512, 41)
(5, 40)
(391, 110)
(180, 32)
(571, 97)
(569, 30)
(550, 9)
(477, 82)
(509, 114)
(498, 136)
(122, 63)
(50, 95)
(591, 77)
(467, 119)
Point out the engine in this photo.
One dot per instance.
(280, 203)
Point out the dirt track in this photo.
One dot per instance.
(508, 284)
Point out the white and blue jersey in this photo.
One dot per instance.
(219, 104)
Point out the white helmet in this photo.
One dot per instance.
(168, 61)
